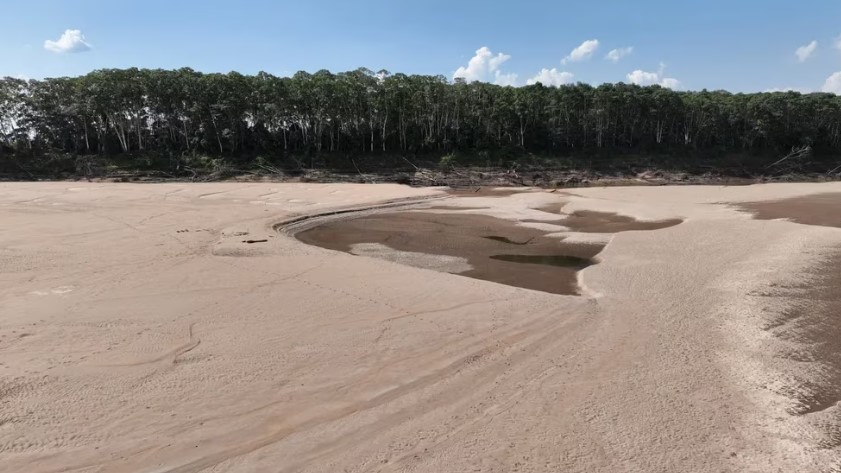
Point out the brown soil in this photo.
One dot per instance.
(817, 209)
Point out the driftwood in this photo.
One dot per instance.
(362, 176)
(410, 163)
(796, 153)
(270, 169)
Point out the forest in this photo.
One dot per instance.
(169, 118)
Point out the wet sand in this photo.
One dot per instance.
(482, 241)
(603, 222)
(819, 209)
(495, 249)
(808, 314)
(141, 331)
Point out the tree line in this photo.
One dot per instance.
(177, 112)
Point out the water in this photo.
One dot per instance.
(544, 263)
(549, 260)
(503, 239)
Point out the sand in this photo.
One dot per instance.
(139, 331)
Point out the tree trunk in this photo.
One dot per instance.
(87, 142)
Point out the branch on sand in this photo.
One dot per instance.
(796, 153)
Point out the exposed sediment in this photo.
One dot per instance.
(140, 331)
(493, 249)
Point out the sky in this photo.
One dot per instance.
(736, 45)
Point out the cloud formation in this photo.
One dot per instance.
(487, 66)
(670, 83)
(551, 77)
(484, 66)
(616, 54)
(584, 51)
(788, 89)
(832, 84)
(640, 77)
(72, 41)
(501, 78)
(805, 52)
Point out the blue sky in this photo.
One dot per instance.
(738, 45)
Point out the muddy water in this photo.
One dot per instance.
(551, 260)
(477, 238)
(497, 250)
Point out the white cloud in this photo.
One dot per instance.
(670, 83)
(788, 89)
(805, 52)
(551, 77)
(72, 41)
(616, 54)
(833, 84)
(584, 51)
(505, 79)
(484, 66)
(640, 77)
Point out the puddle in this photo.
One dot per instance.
(461, 236)
(476, 246)
(503, 239)
(551, 260)
(818, 209)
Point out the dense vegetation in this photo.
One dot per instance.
(173, 114)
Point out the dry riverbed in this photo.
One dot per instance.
(323, 328)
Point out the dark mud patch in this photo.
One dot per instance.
(586, 221)
(464, 236)
(819, 209)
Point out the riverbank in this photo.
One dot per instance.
(171, 327)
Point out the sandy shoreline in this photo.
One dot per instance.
(140, 332)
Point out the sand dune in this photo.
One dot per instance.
(171, 328)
